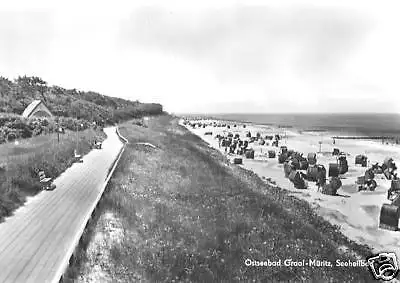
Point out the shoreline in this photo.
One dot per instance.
(390, 137)
(183, 202)
(357, 213)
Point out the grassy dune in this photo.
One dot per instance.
(189, 216)
(19, 164)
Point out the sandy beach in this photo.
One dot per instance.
(357, 213)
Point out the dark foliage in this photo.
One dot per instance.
(73, 109)
(16, 95)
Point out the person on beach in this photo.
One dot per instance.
(321, 180)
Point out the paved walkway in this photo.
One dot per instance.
(35, 243)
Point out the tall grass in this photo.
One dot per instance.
(190, 218)
(20, 162)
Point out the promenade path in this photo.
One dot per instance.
(38, 240)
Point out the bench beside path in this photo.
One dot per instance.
(37, 242)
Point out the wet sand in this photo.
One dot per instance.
(357, 213)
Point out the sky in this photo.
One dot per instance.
(212, 56)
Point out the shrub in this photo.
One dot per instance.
(12, 134)
(72, 108)
(2, 138)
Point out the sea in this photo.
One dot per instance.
(355, 124)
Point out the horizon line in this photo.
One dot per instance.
(285, 113)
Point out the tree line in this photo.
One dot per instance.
(71, 107)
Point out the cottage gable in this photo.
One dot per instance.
(36, 109)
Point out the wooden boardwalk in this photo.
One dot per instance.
(38, 240)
